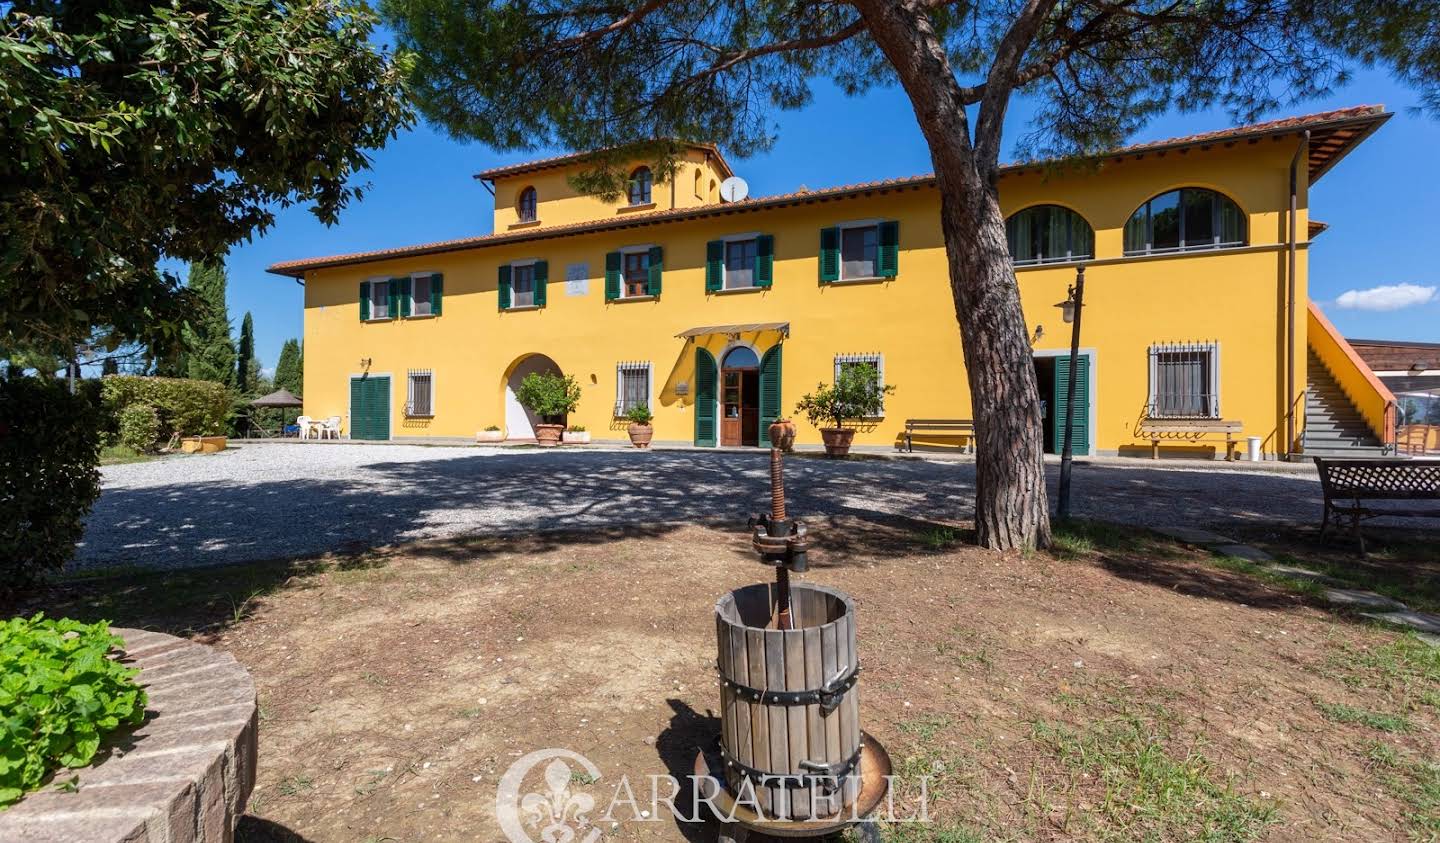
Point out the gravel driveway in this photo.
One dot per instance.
(267, 500)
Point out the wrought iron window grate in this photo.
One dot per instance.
(420, 393)
(632, 385)
(1184, 380)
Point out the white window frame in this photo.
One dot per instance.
(725, 263)
(410, 375)
(630, 366)
(380, 279)
(643, 248)
(513, 266)
(414, 302)
(1211, 347)
(874, 358)
(840, 249)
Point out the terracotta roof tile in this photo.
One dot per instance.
(571, 157)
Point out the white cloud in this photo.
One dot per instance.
(1387, 297)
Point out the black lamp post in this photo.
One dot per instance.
(1070, 312)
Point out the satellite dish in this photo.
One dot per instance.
(734, 189)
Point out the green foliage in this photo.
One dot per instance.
(60, 694)
(576, 428)
(290, 368)
(187, 407)
(548, 395)
(246, 364)
(855, 395)
(139, 427)
(492, 427)
(1342, 713)
(640, 414)
(49, 450)
(141, 131)
(209, 351)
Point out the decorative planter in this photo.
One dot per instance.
(782, 435)
(576, 437)
(548, 435)
(490, 436)
(837, 441)
(641, 434)
(202, 444)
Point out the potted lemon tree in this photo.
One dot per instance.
(552, 397)
(855, 396)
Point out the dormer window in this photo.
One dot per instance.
(640, 182)
(525, 205)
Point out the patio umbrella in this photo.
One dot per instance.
(278, 398)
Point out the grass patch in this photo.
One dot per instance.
(295, 785)
(926, 727)
(1078, 537)
(938, 537)
(1405, 670)
(122, 454)
(1414, 782)
(1237, 565)
(926, 833)
(1342, 713)
(1126, 777)
(1398, 575)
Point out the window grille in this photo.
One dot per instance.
(873, 359)
(632, 386)
(1184, 380)
(420, 396)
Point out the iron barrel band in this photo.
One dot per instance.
(827, 776)
(827, 697)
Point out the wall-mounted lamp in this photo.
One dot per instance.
(365, 364)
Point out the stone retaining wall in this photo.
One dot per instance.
(183, 775)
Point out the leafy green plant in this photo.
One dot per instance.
(639, 414)
(187, 407)
(139, 428)
(576, 428)
(49, 450)
(492, 427)
(59, 695)
(549, 395)
(856, 394)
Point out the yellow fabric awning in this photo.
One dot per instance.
(748, 328)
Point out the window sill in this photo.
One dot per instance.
(624, 299)
(524, 224)
(1052, 263)
(380, 319)
(725, 291)
(422, 316)
(522, 308)
(420, 416)
(630, 209)
(864, 279)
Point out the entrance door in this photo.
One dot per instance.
(740, 398)
(1053, 376)
(370, 408)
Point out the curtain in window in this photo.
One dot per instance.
(1182, 384)
(1048, 233)
(633, 387)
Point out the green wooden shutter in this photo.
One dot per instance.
(887, 257)
(705, 388)
(829, 255)
(1080, 425)
(393, 286)
(357, 407)
(764, 261)
(769, 391)
(657, 269)
(503, 286)
(542, 274)
(714, 266)
(364, 300)
(612, 276)
(437, 293)
(405, 293)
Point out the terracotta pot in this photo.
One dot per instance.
(490, 436)
(548, 435)
(837, 441)
(782, 435)
(577, 437)
(641, 434)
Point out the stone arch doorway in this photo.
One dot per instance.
(520, 422)
(740, 396)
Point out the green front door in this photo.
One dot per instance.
(370, 408)
(1080, 425)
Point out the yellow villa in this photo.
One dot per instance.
(720, 314)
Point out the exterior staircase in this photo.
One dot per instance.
(1333, 427)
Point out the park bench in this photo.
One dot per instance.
(1189, 430)
(1348, 483)
(964, 427)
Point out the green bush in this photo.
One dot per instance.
(139, 428)
(549, 396)
(187, 407)
(49, 450)
(59, 695)
(640, 414)
(854, 395)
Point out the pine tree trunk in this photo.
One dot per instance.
(1011, 502)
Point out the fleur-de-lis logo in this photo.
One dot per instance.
(558, 815)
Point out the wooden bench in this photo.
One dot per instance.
(950, 426)
(1189, 430)
(1347, 483)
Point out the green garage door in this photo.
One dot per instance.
(370, 408)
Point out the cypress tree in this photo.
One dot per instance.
(246, 366)
(289, 369)
(210, 352)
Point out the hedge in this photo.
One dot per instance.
(49, 453)
(187, 407)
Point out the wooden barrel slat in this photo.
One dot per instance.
(755, 653)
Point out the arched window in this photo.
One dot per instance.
(699, 183)
(525, 205)
(1048, 234)
(740, 357)
(640, 186)
(1184, 219)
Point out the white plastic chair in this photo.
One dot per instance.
(330, 428)
(304, 422)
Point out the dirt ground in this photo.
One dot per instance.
(1121, 689)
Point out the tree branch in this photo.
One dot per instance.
(1001, 81)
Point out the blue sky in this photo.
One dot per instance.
(1379, 201)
